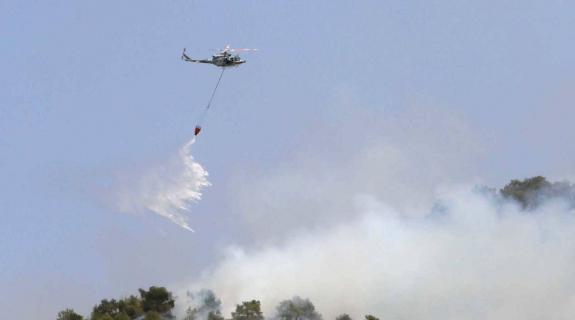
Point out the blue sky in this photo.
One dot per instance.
(94, 89)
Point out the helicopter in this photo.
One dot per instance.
(224, 58)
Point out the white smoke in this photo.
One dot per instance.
(392, 226)
(168, 190)
(469, 259)
(201, 304)
(401, 159)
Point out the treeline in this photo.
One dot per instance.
(157, 303)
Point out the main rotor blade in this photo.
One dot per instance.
(242, 49)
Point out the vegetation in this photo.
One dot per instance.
(207, 306)
(69, 314)
(157, 303)
(344, 316)
(297, 309)
(532, 192)
(157, 300)
(248, 310)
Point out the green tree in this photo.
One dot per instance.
(526, 191)
(370, 317)
(153, 315)
(248, 310)
(191, 314)
(532, 192)
(69, 314)
(215, 316)
(194, 314)
(106, 310)
(297, 309)
(122, 316)
(207, 301)
(206, 306)
(157, 299)
(131, 306)
(343, 316)
(124, 309)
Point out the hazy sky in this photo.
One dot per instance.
(94, 93)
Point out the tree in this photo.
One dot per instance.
(343, 316)
(157, 299)
(69, 314)
(124, 309)
(370, 317)
(131, 306)
(153, 315)
(248, 310)
(191, 314)
(106, 310)
(215, 316)
(526, 191)
(208, 301)
(206, 306)
(297, 309)
(122, 316)
(531, 192)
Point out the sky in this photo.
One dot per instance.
(388, 98)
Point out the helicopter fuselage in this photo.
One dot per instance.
(227, 60)
(223, 59)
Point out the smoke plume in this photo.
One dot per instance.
(202, 303)
(397, 229)
(470, 258)
(168, 190)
